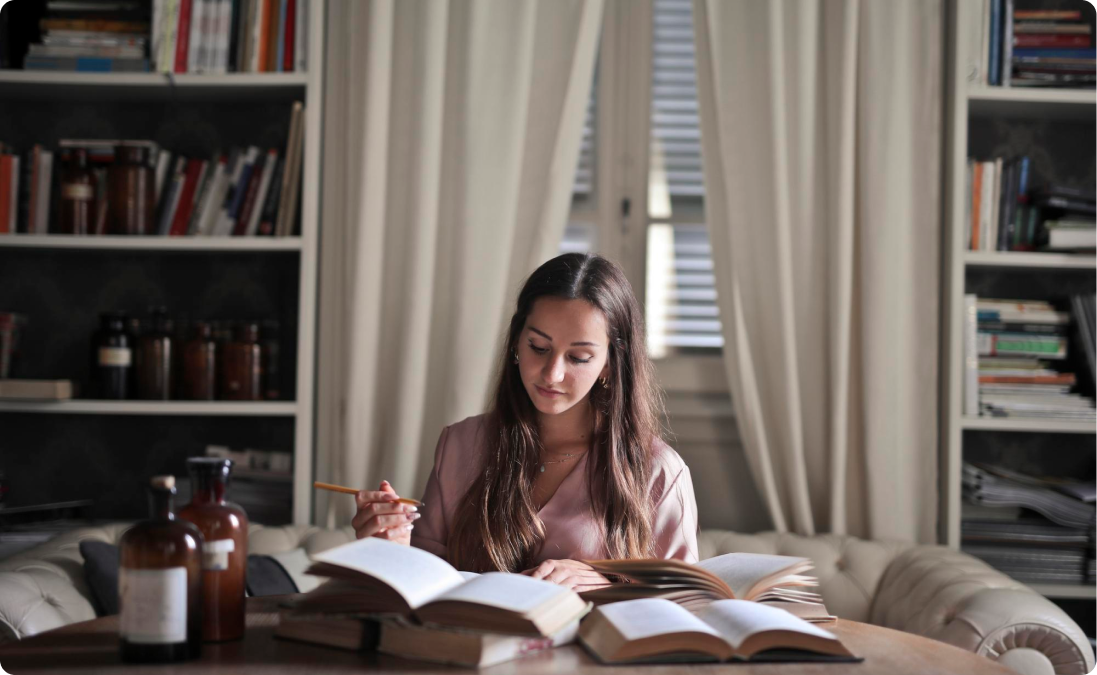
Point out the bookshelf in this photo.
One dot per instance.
(972, 115)
(193, 114)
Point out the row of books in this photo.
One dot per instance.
(1002, 215)
(408, 602)
(1016, 361)
(244, 192)
(172, 36)
(1035, 529)
(1013, 47)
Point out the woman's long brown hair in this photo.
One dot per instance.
(496, 526)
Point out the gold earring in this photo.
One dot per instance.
(605, 384)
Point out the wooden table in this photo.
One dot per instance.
(92, 647)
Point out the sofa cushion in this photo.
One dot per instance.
(101, 564)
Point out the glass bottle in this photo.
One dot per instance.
(132, 186)
(154, 358)
(160, 583)
(224, 526)
(269, 355)
(200, 364)
(112, 357)
(78, 185)
(240, 377)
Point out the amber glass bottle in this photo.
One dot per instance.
(77, 205)
(132, 191)
(200, 364)
(160, 584)
(224, 526)
(154, 358)
(242, 365)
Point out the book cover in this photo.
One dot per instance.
(182, 40)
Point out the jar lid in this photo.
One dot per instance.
(210, 465)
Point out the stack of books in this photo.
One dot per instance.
(92, 35)
(410, 603)
(1036, 530)
(999, 216)
(1012, 350)
(1030, 47)
(1069, 219)
(244, 192)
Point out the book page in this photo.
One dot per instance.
(418, 576)
(745, 571)
(515, 592)
(648, 617)
(737, 620)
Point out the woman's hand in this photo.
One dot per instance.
(578, 576)
(380, 515)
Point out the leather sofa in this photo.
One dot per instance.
(928, 590)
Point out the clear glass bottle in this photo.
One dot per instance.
(154, 358)
(160, 583)
(241, 375)
(112, 357)
(78, 186)
(132, 196)
(224, 526)
(199, 377)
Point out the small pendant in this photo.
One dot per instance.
(542, 468)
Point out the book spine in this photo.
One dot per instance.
(262, 21)
(86, 64)
(235, 36)
(205, 180)
(274, 196)
(95, 25)
(279, 58)
(250, 195)
(984, 49)
(272, 35)
(174, 195)
(13, 191)
(291, 32)
(1007, 43)
(971, 357)
(1047, 15)
(995, 42)
(182, 45)
(165, 55)
(5, 194)
(292, 144)
(1052, 40)
(45, 182)
(197, 37)
(1008, 202)
(32, 198)
(261, 197)
(301, 37)
(995, 205)
(976, 204)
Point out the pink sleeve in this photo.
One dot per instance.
(675, 529)
(431, 532)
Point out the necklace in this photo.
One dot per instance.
(567, 456)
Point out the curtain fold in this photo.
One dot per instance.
(451, 135)
(821, 122)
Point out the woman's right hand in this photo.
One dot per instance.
(381, 515)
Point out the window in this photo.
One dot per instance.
(642, 145)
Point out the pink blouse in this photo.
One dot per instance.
(570, 531)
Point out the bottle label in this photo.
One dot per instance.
(77, 192)
(215, 554)
(114, 356)
(154, 605)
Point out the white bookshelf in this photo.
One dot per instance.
(966, 104)
(215, 89)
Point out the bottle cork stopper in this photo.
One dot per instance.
(163, 482)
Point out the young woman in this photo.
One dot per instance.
(569, 463)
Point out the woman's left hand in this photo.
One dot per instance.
(578, 576)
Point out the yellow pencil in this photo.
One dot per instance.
(352, 491)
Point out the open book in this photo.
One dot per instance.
(374, 576)
(733, 576)
(655, 629)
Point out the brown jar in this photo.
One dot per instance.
(77, 206)
(154, 359)
(241, 371)
(224, 528)
(271, 354)
(199, 377)
(160, 583)
(132, 191)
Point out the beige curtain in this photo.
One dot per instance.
(821, 122)
(451, 136)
